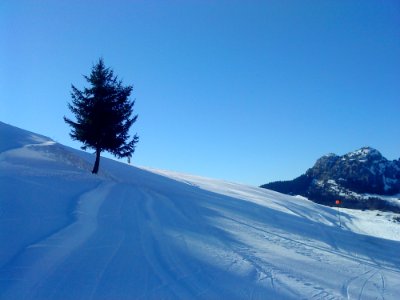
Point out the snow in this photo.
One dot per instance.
(389, 182)
(373, 223)
(363, 153)
(393, 199)
(135, 233)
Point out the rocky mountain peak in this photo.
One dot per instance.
(364, 154)
(361, 172)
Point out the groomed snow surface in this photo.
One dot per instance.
(131, 233)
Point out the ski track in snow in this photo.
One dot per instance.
(49, 253)
(172, 274)
(351, 288)
(139, 235)
(320, 254)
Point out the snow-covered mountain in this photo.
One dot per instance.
(362, 179)
(132, 233)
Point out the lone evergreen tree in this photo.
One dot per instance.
(103, 115)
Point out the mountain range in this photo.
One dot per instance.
(362, 179)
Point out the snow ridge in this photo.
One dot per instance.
(133, 233)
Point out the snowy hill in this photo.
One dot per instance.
(132, 233)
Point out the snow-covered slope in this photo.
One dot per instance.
(132, 233)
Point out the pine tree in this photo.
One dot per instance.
(103, 115)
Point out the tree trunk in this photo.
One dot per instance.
(97, 162)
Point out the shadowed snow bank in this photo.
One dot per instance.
(132, 233)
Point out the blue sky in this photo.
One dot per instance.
(248, 91)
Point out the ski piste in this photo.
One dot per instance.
(137, 233)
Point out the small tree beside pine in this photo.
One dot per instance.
(104, 115)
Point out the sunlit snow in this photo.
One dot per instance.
(135, 233)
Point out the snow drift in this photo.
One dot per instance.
(132, 233)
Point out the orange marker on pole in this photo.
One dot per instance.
(338, 202)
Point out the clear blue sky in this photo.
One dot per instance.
(248, 91)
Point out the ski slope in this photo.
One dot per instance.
(131, 233)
